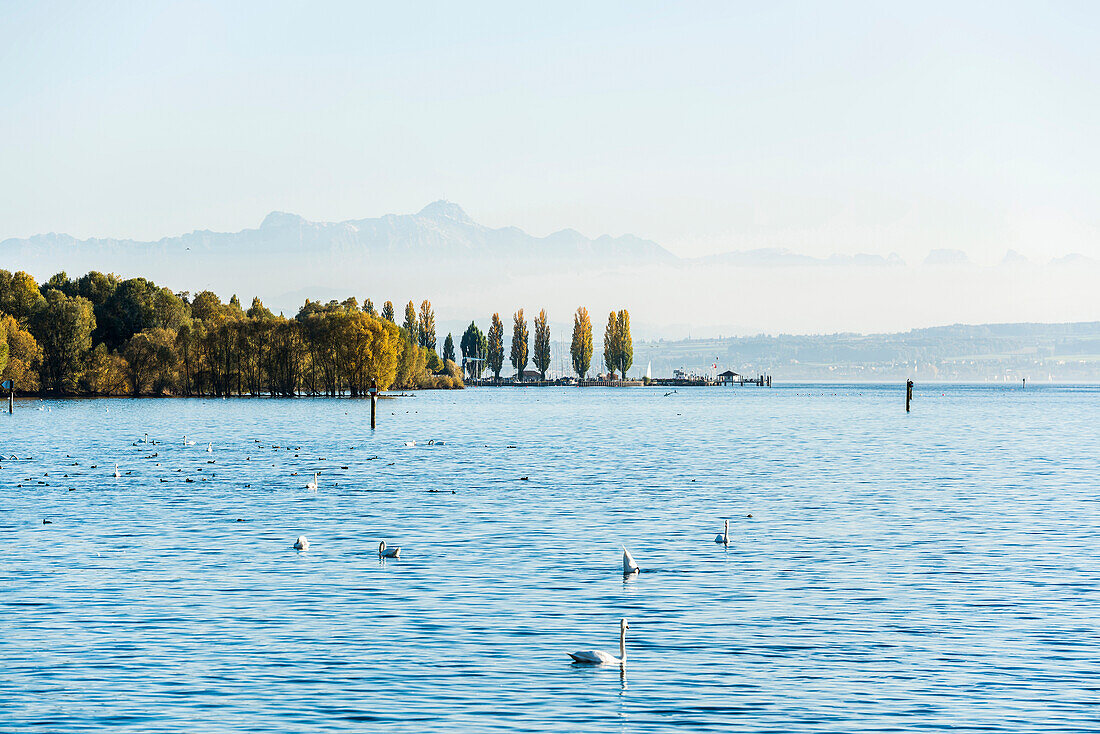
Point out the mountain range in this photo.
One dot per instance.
(469, 269)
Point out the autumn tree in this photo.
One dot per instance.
(411, 325)
(426, 326)
(611, 344)
(541, 355)
(496, 345)
(24, 355)
(581, 347)
(368, 309)
(624, 345)
(19, 295)
(519, 343)
(387, 312)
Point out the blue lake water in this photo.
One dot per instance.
(938, 570)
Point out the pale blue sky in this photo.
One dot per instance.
(824, 127)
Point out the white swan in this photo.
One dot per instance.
(210, 447)
(312, 484)
(599, 657)
(187, 443)
(723, 537)
(117, 475)
(385, 552)
(302, 543)
(410, 443)
(629, 566)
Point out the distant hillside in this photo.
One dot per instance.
(1039, 352)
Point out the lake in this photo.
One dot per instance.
(937, 570)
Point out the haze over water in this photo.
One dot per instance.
(899, 572)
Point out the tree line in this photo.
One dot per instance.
(483, 351)
(102, 335)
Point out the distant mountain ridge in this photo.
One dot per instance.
(440, 230)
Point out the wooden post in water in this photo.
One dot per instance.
(373, 401)
(10, 386)
(908, 394)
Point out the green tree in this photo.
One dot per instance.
(449, 348)
(63, 327)
(387, 312)
(496, 345)
(474, 348)
(60, 282)
(624, 345)
(426, 326)
(411, 325)
(519, 343)
(259, 311)
(149, 361)
(235, 306)
(581, 347)
(611, 344)
(541, 356)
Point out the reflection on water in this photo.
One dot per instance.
(898, 572)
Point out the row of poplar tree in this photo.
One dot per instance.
(102, 335)
(481, 351)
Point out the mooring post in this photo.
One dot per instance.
(908, 394)
(9, 385)
(373, 402)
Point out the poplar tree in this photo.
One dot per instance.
(411, 325)
(474, 348)
(496, 345)
(448, 349)
(611, 344)
(426, 326)
(368, 309)
(387, 312)
(581, 348)
(519, 343)
(625, 345)
(542, 345)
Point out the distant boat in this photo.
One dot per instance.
(649, 371)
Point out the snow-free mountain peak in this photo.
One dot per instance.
(444, 209)
(281, 219)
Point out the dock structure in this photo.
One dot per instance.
(681, 379)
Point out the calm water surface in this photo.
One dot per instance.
(899, 573)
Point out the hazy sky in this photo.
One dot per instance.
(824, 127)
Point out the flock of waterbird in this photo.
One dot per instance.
(630, 568)
(301, 543)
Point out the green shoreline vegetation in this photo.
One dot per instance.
(101, 335)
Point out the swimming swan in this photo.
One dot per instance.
(117, 475)
(384, 552)
(313, 483)
(210, 447)
(629, 566)
(599, 657)
(410, 443)
(302, 543)
(723, 537)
